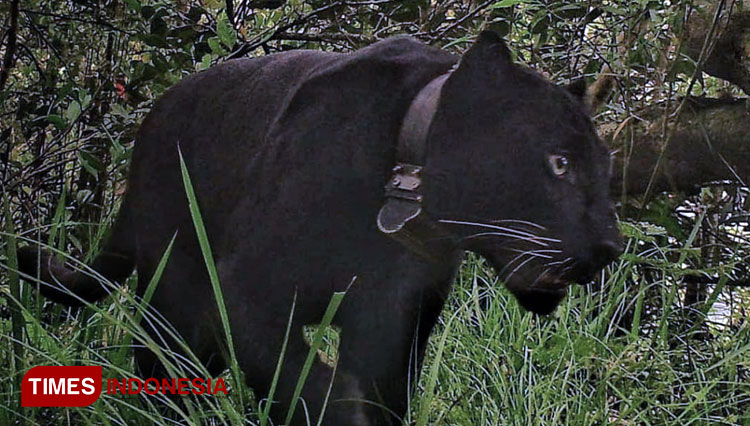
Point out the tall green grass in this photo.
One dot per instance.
(104, 335)
(623, 354)
(581, 365)
(486, 365)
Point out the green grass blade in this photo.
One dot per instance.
(57, 220)
(317, 340)
(328, 394)
(274, 383)
(15, 292)
(429, 391)
(146, 299)
(663, 324)
(213, 274)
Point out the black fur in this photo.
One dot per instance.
(289, 154)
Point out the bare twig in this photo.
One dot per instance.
(271, 33)
(463, 19)
(281, 32)
(10, 50)
(77, 19)
(8, 62)
(230, 12)
(323, 37)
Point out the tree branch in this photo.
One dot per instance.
(323, 37)
(281, 31)
(230, 12)
(668, 132)
(77, 19)
(711, 143)
(272, 33)
(730, 58)
(8, 62)
(10, 50)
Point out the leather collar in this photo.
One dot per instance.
(401, 217)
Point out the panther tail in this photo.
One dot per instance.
(115, 263)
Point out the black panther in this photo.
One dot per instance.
(386, 164)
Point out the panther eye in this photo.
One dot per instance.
(558, 164)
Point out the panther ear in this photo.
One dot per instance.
(577, 88)
(488, 52)
(593, 96)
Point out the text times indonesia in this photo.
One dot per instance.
(59, 386)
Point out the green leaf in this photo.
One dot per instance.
(120, 111)
(65, 90)
(84, 98)
(154, 40)
(226, 33)
(73, 111)
(540, 23)
(134, 5)
(507, 3)
(215, 46)
(57, 121)
(160, 63)
(613, 10)
(204, 63)
(148, 11)
(89, 162)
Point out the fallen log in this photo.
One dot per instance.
(710, 143)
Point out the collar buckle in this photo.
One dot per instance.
(405, 183)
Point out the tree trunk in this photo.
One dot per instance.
(711, 143)
(730, 57)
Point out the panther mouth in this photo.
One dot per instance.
(542, 301)
(550, 281)
(543, 295)
(537, 292)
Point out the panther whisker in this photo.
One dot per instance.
(537, 253)
(501, 234)
(566, 269)
(499, 228)
(559, 262)
(524, 222)
(521, 265)
(539, 277)
(530, 253)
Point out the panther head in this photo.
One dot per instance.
(516, 171)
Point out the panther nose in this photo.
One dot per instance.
(599, 255)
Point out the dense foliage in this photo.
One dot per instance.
(663, 338)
